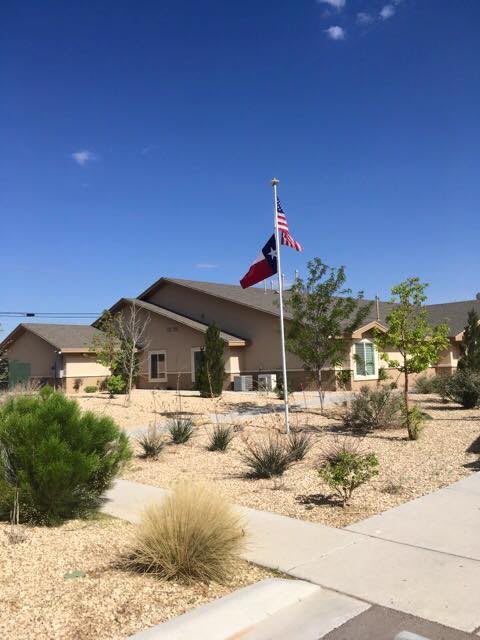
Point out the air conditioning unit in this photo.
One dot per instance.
(243, 383)
(267, 381)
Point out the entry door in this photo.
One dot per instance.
(197, 355)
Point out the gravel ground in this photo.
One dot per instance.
(147, 407)
(38, 603)
(407, 469)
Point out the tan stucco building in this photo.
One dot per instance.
(179, 313)
(56, 354)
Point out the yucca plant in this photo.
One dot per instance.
(194, 534)
(220, 437)
(299, 444)
(151, 442)
(267, 457)
(181, 429)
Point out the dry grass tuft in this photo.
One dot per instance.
(194, 534)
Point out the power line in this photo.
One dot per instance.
(48, 314)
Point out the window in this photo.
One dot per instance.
(365, 362)
(158, 366)
(196, 359)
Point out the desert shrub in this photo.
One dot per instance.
(194, 534)
(267, 457)
(463, 387)
(374, 409)
(416, 422)
(63, 459)
(151, 442)
(344, 468)
(299, 443)
(429, 384)
(181, 429)
(115, 384)
(91, 389)
(220, 437)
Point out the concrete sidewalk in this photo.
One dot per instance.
(421, 558)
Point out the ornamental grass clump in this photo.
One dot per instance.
(344, 467)
(267, 457)
(61, 460)
(299, 444)
(181, 429)
(152, 442)
(220, 437)
(194, 534)
(375, 409)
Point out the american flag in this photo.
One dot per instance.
(285, 237)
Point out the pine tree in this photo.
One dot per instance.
(211, 373)
(470, 348)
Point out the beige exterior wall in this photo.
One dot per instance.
(81, 370)
(260, 328)
(34, 350)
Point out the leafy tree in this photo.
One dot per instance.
(324, 316)
(123, 335)
(211, 372)
(409, 333)
(470, 348)
(106, 346)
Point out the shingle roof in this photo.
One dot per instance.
(453, 313)
(60, 336)
(233, 341)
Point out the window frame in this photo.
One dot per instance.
(165, 374)
(359, 376)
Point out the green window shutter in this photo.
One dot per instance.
(359, 359)
(369, 359)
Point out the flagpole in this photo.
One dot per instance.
(275, 182)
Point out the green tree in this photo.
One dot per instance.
(106, 345)
(211, 372)
(409, 333)
(324, 316)
(470, 347)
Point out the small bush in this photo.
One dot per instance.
(193, 535)
(374, 409)
(115, 384)
(428, 384)
(60, 459)
(181, 429)
(416, 423)
(463, 387)
(299, 444)
(220, 437)
(91, 389)
(151, 442)
(268, 457)
(344, 468)
(344, 378)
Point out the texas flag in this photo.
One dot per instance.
(264, 266)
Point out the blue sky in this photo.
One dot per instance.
(138, 140)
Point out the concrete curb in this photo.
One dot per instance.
(235, 614)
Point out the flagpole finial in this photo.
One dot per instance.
(275, 181)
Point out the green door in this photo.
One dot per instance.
(18, 372)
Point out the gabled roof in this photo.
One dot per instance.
(231, 340)
(69, 338)
(454, 314)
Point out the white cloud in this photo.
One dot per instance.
(336, 4)
(335, 33)
(82, 157)
(364, 18)
(387, 11)
(205, 265)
